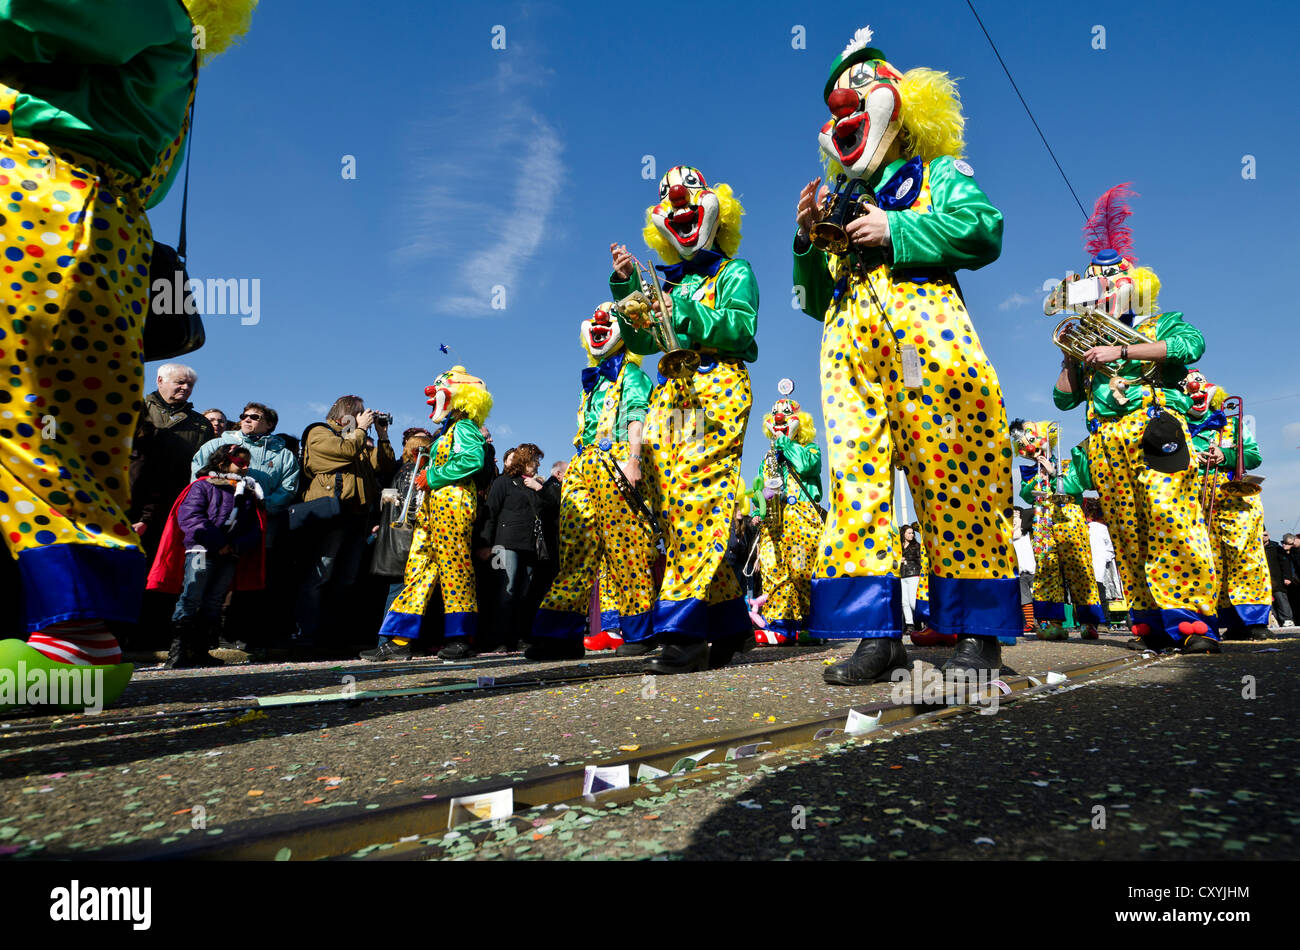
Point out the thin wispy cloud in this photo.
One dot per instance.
(490, 174)
(1015, 301)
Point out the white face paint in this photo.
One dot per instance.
(688, 212)
(864, 106)
(601, 335)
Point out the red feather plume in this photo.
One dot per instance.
(1106, 227)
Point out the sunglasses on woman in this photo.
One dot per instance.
(255, 416)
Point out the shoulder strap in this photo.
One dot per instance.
(185, 191)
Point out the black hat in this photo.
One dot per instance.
(1164, 446)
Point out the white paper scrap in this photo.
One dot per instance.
(603, 778)
(858, 723)
(1056, 679)
(468, 808)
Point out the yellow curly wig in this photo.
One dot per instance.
(930, 115)
(469, 395)
(223, 22)
(729, 211)
(1146, 290)
(807, 427)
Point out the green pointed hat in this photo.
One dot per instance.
(856, 52)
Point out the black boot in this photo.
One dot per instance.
(457, 648)
(387, 650)
(555, 648)
(873, 662)
(189, 648)
(976, 654)
(683, 656)
(639, 648)
(1195, 643)
(1257, 631)
(722, 651)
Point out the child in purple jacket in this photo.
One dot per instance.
(218, 518)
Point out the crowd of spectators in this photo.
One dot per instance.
(321, 500)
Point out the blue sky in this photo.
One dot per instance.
(479, 167)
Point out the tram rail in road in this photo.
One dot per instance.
(404, 826)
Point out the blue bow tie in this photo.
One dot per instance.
(1215, 420)
(1027, 472)
(903, 187)
(705, 263)
(609, 369)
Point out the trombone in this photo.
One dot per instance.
(1239, 484)
(410, 490)
(677, 361)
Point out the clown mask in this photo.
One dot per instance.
(864, 104)
(687, 213)
(601, 335)
(442, 395)
(1033, 439)
(1201, 392)
(783, 420)
(1114, 284)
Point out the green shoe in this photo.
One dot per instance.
(88, 687)
(1052, 631)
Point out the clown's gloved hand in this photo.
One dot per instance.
(422, 480)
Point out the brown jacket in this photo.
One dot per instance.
(328, 452)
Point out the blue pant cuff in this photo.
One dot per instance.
(1048, 610)
(977, 606)
(81, 582)
(559, 624)
(854, 608)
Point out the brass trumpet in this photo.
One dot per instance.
(677, 361)
(1241, 485)
(839, 208)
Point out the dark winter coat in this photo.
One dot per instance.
(512, 508)
(165, 441)
(911, 558)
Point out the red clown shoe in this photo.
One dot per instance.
(605, 640)
(929, 637)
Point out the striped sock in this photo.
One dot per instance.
(1028, 611)
(78, 642)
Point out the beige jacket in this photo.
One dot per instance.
(329, 452)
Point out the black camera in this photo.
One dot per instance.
(383, 418)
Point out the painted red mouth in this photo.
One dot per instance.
(685, 223)
(599, 336)
(1200, 401)
(850, 137)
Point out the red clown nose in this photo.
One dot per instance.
(842, 102)
(678, 194)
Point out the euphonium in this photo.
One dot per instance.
(839, 208)
(773, 491)
(1087, 327)
(1241, 485)
(677, 361)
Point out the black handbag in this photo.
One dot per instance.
(312, 514)
(173, 327)
(540, 546)
(392, 545)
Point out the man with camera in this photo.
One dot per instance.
(335, 462)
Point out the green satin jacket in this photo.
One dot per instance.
(1226, 440)
(464, 456)
(1044, 484)
(631, 408)
(109, 80)
(1184, 344)
(726, 324)
(806, 460)
(962, 229)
